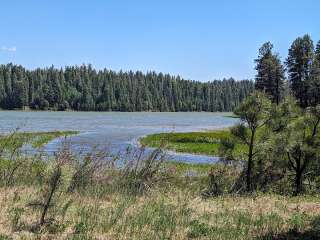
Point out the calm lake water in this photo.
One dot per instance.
(115, 131)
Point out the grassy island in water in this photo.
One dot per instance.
(206, 143)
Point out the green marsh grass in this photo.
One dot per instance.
(36, 139)
(207, 143)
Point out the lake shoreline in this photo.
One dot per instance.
(117, 130)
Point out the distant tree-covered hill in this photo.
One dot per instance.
(86, 89)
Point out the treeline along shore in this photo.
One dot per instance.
(83, 88)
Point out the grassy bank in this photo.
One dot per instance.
(171, 216)
(207, 143)
(36, 139)
(172, 209)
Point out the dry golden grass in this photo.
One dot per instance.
(161, 215)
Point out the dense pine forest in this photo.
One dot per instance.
(83, 88)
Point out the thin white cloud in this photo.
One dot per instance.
(8, 49)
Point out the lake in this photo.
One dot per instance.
(115, 131)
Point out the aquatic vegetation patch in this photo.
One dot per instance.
(35, 139)
(207, 143)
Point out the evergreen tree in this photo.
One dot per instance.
(299, 141)
(314, 89)
(270, 73)
(317, 52)
(254, 114)
(19, 96)
(299, 64)
(2, 89)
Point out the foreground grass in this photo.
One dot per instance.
(35, 139)
(164, 214)
(182, 168)
(172, 208)
(207, 143)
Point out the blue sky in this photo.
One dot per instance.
(200, 39)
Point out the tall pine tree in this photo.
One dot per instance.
(299, 65)
(314, 90)
(270, 73)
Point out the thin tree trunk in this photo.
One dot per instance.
(250, 162)
(298, 177)
(54, 185)
(298, 182)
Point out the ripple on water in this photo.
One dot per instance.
(115, 131)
